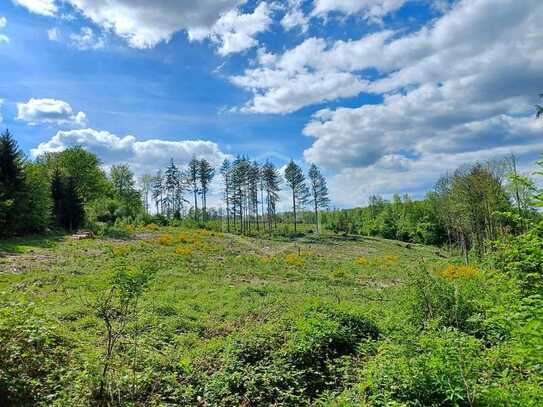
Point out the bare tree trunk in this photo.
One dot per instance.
(294, 209)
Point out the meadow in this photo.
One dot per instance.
(199, 317)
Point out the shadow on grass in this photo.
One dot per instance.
(23, 244)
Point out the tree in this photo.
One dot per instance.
(296, 181)
(192, 177)
(74, 214)
(12, 185)
(122, 178)
(272, 184)
(253, 181)
(521, 189)
(174, 186)
(84, 167)
(205, 175)
(239, 187)
(158, 191)
(319, 191)
(146, 182)
(57, 194)
(225, 170)
(124, 185)
(469, 202)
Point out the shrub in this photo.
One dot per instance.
(117, 232)
(440, 368)
(445, 302)
(32, 357)
(522, 257)
(290, 363)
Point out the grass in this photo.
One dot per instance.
(209, 292)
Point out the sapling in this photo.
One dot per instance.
(117, 306)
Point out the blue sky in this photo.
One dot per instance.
(384, 95)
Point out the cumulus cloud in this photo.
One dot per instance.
(49, 111)
(312, 72)
(86, 39)
(295, 17)
(143, 156)
(235, 32)
(371, 9)
(42, 7)
(459, 90)
(144, 24)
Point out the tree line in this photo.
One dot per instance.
(250, 191)
(70, 190)
(467, 209)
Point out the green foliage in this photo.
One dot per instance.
(521, 256)
(437, 300)
(438, 369)
(293, 363)
(32, 357)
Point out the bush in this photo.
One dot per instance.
(443, 301)
(32, 358)
(522, 257)
(440, 368)
(290, 363)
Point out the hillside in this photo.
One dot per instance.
(205, 318)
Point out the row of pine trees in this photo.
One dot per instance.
(251, 192)
(69, 190)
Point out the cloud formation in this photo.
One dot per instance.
(370, 9)
(143, 156)
(3, 38)
(49, 111)
(235, 32)
(144, 24)
(458, 91)
(42, 7)
(86, 39)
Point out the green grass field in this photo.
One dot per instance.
(224, 320)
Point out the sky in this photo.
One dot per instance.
(385, 96)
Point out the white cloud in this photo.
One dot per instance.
(54, 111)
(86, 39)
(371, 9)
(473, 38)
(310, 73)
(143, 156)
(295, 17)
(235, 32)
(144, 24)
(3, 23)
(42, 7)
(53, 34)
(460, 90)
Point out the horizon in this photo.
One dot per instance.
(384, 96)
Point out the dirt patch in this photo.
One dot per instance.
(9, 255)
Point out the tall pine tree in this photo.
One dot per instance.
(205, 175)
(296, 181)
(319, 192)
(192, 177)
(12, 184)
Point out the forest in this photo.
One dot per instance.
(174, 301)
